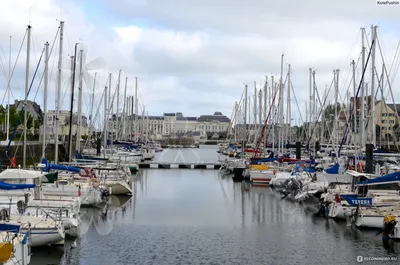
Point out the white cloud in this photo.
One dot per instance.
(194, 57)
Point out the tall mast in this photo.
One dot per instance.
(255, 104)
(58, 95)
(136, 110)
(362, 123)
(46, 82)
(124, 108)
(142, 129)
(79, 125)
(245, 115)
(265, 107)
(353, 64)
(118, 118)
(288, 115)
(110, 109)
(92, 107)
(309, 109)
(281, 121)
(314, 116)
(260, 107)
(274, 113)
(133, 128)
(336, 107)
(28, 50)
(8, 93)
(73, 70)
(105, 118)
(373, 41)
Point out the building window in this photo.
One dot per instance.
(383, 121)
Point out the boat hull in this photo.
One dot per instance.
(261, 176)
(118, 188)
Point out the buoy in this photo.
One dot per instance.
(5, 251)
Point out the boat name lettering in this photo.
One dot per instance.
(361, 201)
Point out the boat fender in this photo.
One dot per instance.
(5, 251)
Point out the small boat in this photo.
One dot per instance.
(43, 231)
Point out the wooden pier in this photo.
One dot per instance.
(173, 165)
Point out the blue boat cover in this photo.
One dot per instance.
(263, 160)
(7, 186)
(392, 177)
(49, 166)
(333, 169)
(9, 227)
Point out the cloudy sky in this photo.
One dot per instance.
(195, 56)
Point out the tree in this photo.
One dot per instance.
(329, 117)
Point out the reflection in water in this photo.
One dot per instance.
(199, 216)
(93, 219)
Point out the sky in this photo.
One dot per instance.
(192, 56)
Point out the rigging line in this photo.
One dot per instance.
(2, 65)
(358, 91)
(20, 114)
(16, 60)
(320, 112)
(69, 43)
(95, 119)
(385, 69)
(50, 53)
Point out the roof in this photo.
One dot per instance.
(169, 114)
(394, 107)
(216, 117)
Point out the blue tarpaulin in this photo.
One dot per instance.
(392, 177)
(7, 186)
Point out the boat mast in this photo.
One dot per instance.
(245, 117)
(273, 113)
(353, 64)
(373, 41)
(28, 48)
(110, 110)
(73, 70)
(136, 110)
(336, 108)
(314, 114)
(92, 107)
(105, 119)
(8, 94)
(117, 115)
(124, 109)
(265, 107)
(133, 128)
(362, 123)
(79, 123)
(46, 82)
(58, 95)
(280, 102)
(288, 115)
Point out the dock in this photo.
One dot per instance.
(174, 165)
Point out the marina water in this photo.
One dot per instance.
(192, 216)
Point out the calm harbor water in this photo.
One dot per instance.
(187, 216)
